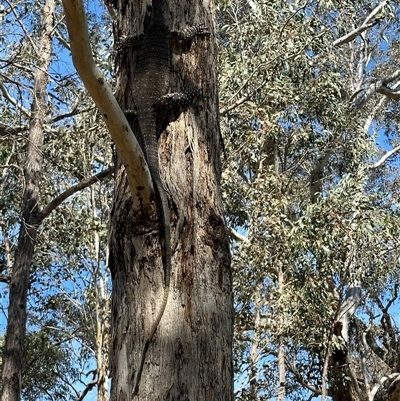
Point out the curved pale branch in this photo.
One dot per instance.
(13, 101)
(236, 236)
(379, 384)
(128, 147)
(385, 157)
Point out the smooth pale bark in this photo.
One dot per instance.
(190, 357)
(254, 357)
(102, 94)
(369, 22)
(19, 282)
(281, 348)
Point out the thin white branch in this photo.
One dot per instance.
(128, 147)
(365, 25)
(379, 87)
(61, 39)
(236, 236)
(13, 101)
(385, 157)
(370, 118)
(379, 384)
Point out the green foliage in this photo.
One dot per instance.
(298, 181)
(47, 369)
(69, 272)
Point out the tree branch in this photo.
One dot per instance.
(390, 93)
(372, 344)
(88, 387)
(379, 384)
(385, 157)
(6, 131)
(236, 236)
(125, 141)
(70, 191)
(301, 380)
(365, 25)
(379, 87)
(5, 93)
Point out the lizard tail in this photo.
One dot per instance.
(148, 341)
(148, 128)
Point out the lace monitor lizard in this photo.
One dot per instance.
(151, 85)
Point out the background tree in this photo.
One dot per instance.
(58, 166)
(300, 181)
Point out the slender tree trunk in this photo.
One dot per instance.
(102, 340)
(19, 283)
(190, 357)
(281, 349)
(255, 342)
(102, 335)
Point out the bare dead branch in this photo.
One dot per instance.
(70, 191)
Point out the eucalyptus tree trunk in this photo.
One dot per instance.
(255, 342)
(190, 356)
(19, 281)
(102, 308)
(281, 347)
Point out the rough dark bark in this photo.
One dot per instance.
(394, 390)
(190, 357)
(341, 386)
(19, 282)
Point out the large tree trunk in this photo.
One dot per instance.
(19, 283)
(190, 357)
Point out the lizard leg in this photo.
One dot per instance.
(171, 100)
(131, 116)
(190, 33)
(128, 42)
